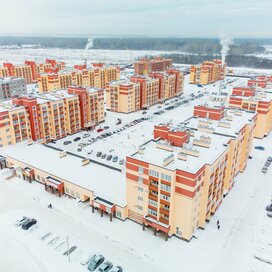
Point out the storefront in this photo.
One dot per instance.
(103, 206)
(28, 174)
(54, 186)
(156, 225)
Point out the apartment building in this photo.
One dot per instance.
(171, 83)
(178, 180)
(149, 90)
(261, 82)
(256, 101)
(52, 116)
(91, 104)
(4, 72)
(11, 86)
(145, 66)
(14, 124)
(20, 71)
(123, 96)
(96, 77)
(207, 72)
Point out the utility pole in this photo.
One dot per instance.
(68, 249)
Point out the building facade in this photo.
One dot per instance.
(145, 66)
(12, 86)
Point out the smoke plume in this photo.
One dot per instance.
(89, 44)
(225, 43)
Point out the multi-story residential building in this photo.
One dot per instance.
(171, 83)
(260, 82)
(95, 77)
(91, 101)
(256, 101)
(123, 96)
(11, 86)
(49, 82)
(14, 124)
(145, 66)
(4, 72)
(149, 90)
(207, 72)
(24, 71)
(52, 116)
(177, 181)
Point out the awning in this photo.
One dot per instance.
(156, 224)
(54, 183)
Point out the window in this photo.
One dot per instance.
(118, 214)
(165, 187)
(140, 189)
(150, 211)
(166, 177)
(153, 173)
(72, 193)
(67, 190)
(38, 177)
(165, 197)
(153, 203)
(140, 169)
(77, 195)
(140, 198)
(140, 180)
(139, 207)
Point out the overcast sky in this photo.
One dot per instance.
(186, 18)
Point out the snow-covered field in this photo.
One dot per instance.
(74, 56)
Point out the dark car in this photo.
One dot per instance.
(29, 223)
(269, 208)
(106, 127)
(103, 156)
(77, 139)
(109, 157)
(67, 142)
(259, 148)
(98, 154)
(144, 112)
(86, 135)
(115, 159)
(117, 269)
(95, 262)
(106, 266)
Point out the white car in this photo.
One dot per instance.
(86, 258)
(21, 221)
(269, 214)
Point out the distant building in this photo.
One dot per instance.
(12, 86)
(207, 72)
(145, 66)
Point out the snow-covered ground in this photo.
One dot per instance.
(245, 234)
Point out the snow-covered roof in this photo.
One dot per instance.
(152, 153)
(106, 183)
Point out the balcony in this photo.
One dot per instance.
(153, 197)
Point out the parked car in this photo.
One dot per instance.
(77, 139)
(109, 157)
(103, 156)
(85, 259)
(67, 142)
(106, 127)
(264, 170)
(269, 208)
(100, 130)
(144, 112)
(86, 135)
(98, 154)
(29, 223)
(106, 266)
(159, 107)
(259, 148)
(269, 159)
(121, 162)
(117, 269)
(269, 214)
(115, 159)
(79, 149)
(267, 163)
(21, 221)
(95, 262)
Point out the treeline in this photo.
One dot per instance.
(46, 42)
(194, 46)
(232, 60)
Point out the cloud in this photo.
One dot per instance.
(141, 17)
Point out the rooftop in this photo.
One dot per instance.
(191, 157)
(104, 182)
